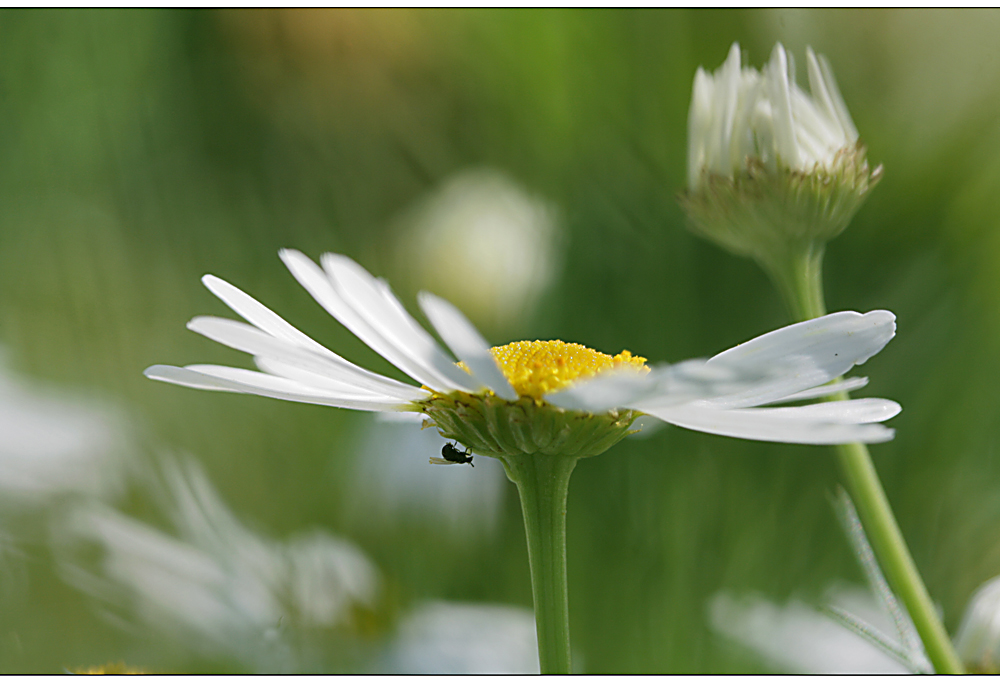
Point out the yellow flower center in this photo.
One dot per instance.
(536, 368)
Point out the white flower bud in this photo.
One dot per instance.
(772, 170)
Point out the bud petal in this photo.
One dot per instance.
(772, 170)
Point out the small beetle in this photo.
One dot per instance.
(452, 456)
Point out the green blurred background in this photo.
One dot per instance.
(142, 149)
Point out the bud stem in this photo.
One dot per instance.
(802, 287)
(800, 279)
(543, 483)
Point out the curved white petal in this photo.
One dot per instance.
(603, 392)
(372, 298)
(242, 337)
(806, 355)
(779, 90)
(220, 378)
(778, 424)
(853, 411)
(699, 123)
(662, 386)
(260, 316)
(694, 380)
(826, 390)
(466, 343)
(294, 371)
(729, 90)
(327, 295)
(268, 381)
(821, 77)
(738, 113)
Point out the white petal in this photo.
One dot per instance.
(747, 142)
(217, 378)
(853, 411)
(806, 355)
(323, 290)
(261, 380)
(818, 134)
(308, 378)
(699, 126)
(827, 389)
(698, 380)
(781, 107)
(372, 298)
(259, 315)
(248, 339)
(728, 82)
(765, 424)
(663, 386)
(625, 388)
(603, 392)
(836, 100)
(466, 343)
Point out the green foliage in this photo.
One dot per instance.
(142, 149)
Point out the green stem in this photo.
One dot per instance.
(543, 483)
(803, 290)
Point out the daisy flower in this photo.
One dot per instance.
(540, 396)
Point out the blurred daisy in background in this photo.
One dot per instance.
(55, 443)
(392, 482)
(484, 243)
(799, 638)
(464, 638)
(214, 586)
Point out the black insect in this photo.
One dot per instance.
(450, 455)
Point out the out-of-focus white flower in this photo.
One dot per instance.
(53, 443)
(455, 638)
(484, 243)
(978, 638)
(772, 171)
(216, 586)
(798, 638)
(541, 396)
(397, 484)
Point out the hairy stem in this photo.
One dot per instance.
(802, 286)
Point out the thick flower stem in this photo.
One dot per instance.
(543, 483)
(803, 290)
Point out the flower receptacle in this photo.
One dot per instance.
(495, 427)
(769, 214)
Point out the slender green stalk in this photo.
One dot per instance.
(543, 483)
(802, 287)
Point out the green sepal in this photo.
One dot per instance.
(495, 427)
(767, 214)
